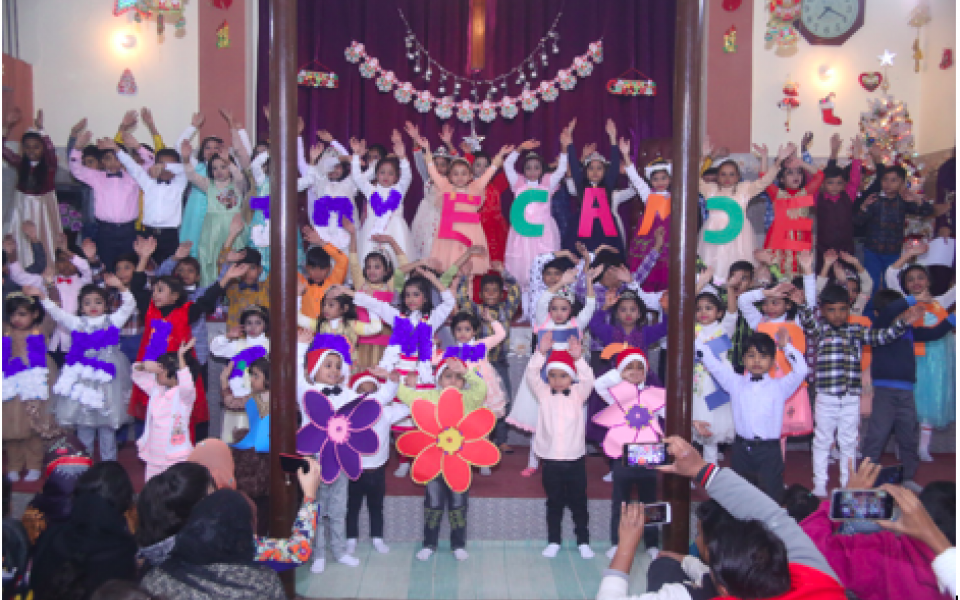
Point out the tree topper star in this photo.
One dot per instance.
(474, 140)
(886, 59)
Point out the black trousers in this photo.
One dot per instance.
(666, 570)
(168, 238)
(372, 487)
(760, 461)
(439, 496)
(114, 239)
(625, 480)
(503, 370)
(565, 483)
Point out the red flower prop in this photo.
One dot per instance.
(448, 441)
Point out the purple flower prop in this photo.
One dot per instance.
(338, 437)
(244, 358)
(467, 352)
(340, 205)
(381, 206)
(261, 203)
(82, 342)
(332, 341)
(64, 209)
(159, 340)
(413, 341)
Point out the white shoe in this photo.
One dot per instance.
(485, 471)
(586, 552)
(611, 552)
(424, 554)
(924, 456)
(13, 476)
(319, 564)
(350, 561)
(34, 475)
(653, 553)
(402, 471)
(379, 546)
(461, 554)
(551, 550)
(351, 545)
(820, 491)
(608, 477)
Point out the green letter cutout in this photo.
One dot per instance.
(734, 218)
(517, 218)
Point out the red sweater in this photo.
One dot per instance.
(807, 583)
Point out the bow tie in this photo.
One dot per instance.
(64, 279)
(118, 175)
(249, 286)
(564, 392)
(334, 391)
(164, 182)
(756, 378)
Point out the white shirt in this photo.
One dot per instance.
(945, 568)
(69, 288)
(757, 405)
(162, 202)
(393, 412)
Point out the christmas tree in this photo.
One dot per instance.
(887, 123)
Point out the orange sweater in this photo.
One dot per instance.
(312, 304)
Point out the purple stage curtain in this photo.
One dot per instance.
(636, 34)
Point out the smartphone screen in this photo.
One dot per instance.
(291, 463)
(645, 455)
(892, 475)
(871, 505)
(657, 514)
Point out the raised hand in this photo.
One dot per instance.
(851, 260)
(566, 138)
(869, 201)
(14, 116)
(610, 300)
(183, 250)
(31, 291)
(575, 348)
(587, 150)
(913, 314)
(761, 149)
(830, 257)
(528, 145)
(397, 140)
(706, 148)
(805, 258)
(112, 281)
(836, 143)
(316, 151)
(80, 126)
(611, 129)
(787, 151)
(351, 228)
(107, 144)
(227, 115)
(593, 273)
(235, 333)
(185, 151)
(446, 134)
(687, 462)
(311, 236)
(236, 272)
(356, 147)
(147, 117)
(806, 139)
(624, 147)
(764, 257)
(783, 337)
(89, 249)
(129, 120)
(914, 520)
(235, 256)
(130, 142)
(546, 342)
(198, 120)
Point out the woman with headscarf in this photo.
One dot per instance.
(213, 556)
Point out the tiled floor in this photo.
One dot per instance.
(497, 570)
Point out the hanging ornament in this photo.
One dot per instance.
(127, 85)
(544, 59)
(791, 100)
(548, 91)
(423, 101)
(781, 27)
(730, 40)
(223, 35)
(465, 111)
(731, 5)
(222, 4)
(428, 74)
(315, 74)
(404, 92)
(508, 107)
(354, 52)
(583, 66)
(919, 17)
(826, 108)
(555, 49)
(886, 60)
(504, 84)
(369, 68)
(441, 90)
(871, 81)
(595, 52)
(444, 107)
(642, 86)
(473, 140)
(529, 101)
(567, 79)
(488, 111)
(416, 66)
(947, 61)
(386, 81)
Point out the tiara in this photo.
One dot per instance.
(658, 164)
(595, 156)
(21, 295)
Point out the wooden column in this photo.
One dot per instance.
(683, 253)
(283, 265)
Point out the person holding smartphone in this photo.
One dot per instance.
(886, 565)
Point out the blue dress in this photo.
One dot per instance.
(194, 213)
(936, 389)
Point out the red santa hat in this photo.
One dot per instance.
(363, 377)
(315, 358)
(442, 366)
(631, 355)
(560, 360)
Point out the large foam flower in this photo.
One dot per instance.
(338, 437)
(631, 418)
(448, 441)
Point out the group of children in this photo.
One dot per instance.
(117, 333)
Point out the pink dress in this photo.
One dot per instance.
(521, 250)
(165, 440)
(453, 238)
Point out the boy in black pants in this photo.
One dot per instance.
(894, 373)
(758, 402)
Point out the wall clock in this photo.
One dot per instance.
(831, 22)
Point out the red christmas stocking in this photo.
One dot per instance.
(826, 106)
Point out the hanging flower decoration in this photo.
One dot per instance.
(423, 101)
(631, 419)
(70, 218)
(465, 111)
(508, 107)
(445, 106)
(448, 442)
(567, 79)
(338, 438)
(404, 93)
(488, 111)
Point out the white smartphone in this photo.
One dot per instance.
(657, 513)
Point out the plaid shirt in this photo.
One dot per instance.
(838, 350)
(885, 220)
(240, 295)
(505, 312)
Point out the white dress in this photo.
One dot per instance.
(326, 192)
(426, 223)
(390, 220)
(721, 418)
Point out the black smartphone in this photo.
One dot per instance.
(657, 513)
(868, 505)
(645, 455)
(291, 463)
(892, 475)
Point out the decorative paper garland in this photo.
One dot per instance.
(424, 101)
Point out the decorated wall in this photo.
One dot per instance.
(821, 70)
(78, 61)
